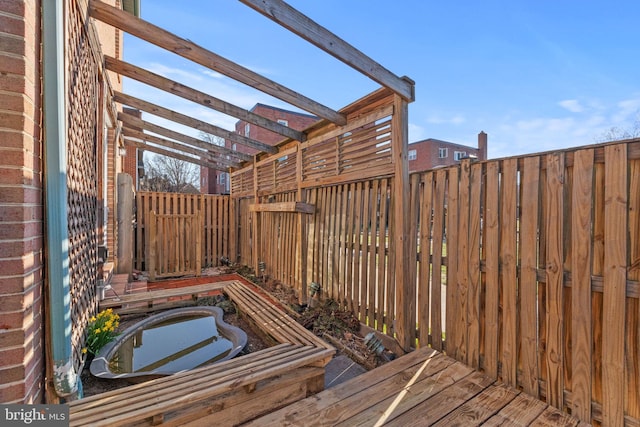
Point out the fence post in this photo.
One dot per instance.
(405, 288)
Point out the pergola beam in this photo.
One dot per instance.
(300, 24)
(128, 132)
(201, 98)
(183, 119)
(142, 146)
(187, 49)
(133, 122)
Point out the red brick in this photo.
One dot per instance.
(11, 338)
(12, 374)
(13, 356)
(11, 249)
(18, 103)
(20, 195)
(12, 213)
(12, 393)
(16, 267)
(13, 320)
(16, 139)
(12, 65)
(12, 25)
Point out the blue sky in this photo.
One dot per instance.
(535, 75)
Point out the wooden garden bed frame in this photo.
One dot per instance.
(226, 393)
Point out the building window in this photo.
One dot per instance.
(443, 153)
(412, 155)
(247, 130)
(457, 155)
(283, 122)
(234, 147)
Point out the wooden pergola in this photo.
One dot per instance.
(391, 100)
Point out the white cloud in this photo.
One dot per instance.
(438, 120)
(572, 105)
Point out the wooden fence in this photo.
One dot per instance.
(215, 217)
(527, 268)
(174, 246)
(541, 274)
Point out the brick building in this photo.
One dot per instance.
(216, 182)
(429, 153)
(51, 229)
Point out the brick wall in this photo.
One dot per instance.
(427, 153)
(21, 206)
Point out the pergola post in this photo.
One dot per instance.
(405, 287)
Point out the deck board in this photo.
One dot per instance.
(422, 388)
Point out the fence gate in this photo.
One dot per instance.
(175, 247)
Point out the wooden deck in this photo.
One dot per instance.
(422, 388)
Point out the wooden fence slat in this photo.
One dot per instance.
(633, 304)
(451, 235)
(491, 245)
(474, 286)
(373, 264)
(615, 266)
(554, 280)
(436, 268)
(357, 235)
(508, 272)
(382, 258)
(529, 214)
(424, 280)
(364, 271)
(462, 284)
(581, 337)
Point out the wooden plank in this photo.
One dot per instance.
(379, 406)
(508, 270)
(373, 265)
(632, 355)
(357, 238)
(183, 119)
(300, 207)
(615, 266)
(492, 279)
(522, 410)
(461, 320)
(554, 297)
(129, 142)
(475, 288)
(296, 22)
(349, 236)
(480, 407)
(189, 50)
(426, 208)
(132, 122)
(405, 291)
(204, 99)
(382, 257)
(342, 256)
(306, 411)
(581, 336)
(451, 206)
(364, 272)
(390, 307)
(436, 267)
(551, 417)
(443, 403)
(528, 278)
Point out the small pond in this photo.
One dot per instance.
(170, 342)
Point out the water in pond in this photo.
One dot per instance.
(176, 344)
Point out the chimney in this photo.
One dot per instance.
(482, 145)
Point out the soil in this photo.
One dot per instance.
(327, 320)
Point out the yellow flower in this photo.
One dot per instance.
(97, 330)
(93, 319)
(84, 350)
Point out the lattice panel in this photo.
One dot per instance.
(82, 190)
(278, 175)
(242, 183)
(363, 151)
(367, 147)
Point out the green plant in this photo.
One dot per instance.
(102, 330)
